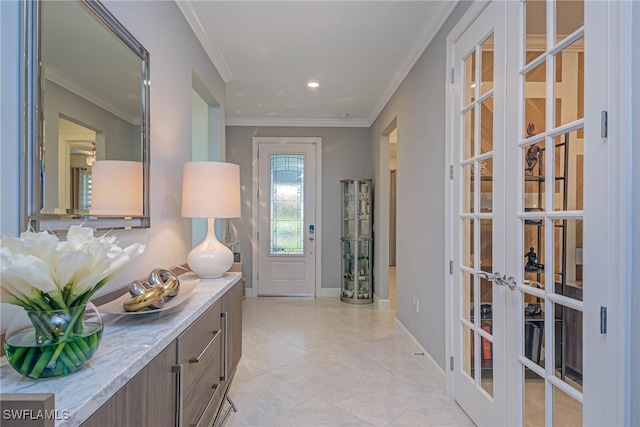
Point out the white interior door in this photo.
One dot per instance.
(525, 203)
(478, 227)
(286, 216)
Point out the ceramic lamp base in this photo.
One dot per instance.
(210, 259)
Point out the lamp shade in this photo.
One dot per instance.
(116, 188)
(211, 190)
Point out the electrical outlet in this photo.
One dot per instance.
(417, 306)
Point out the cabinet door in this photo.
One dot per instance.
(232, 306)
(149, 399)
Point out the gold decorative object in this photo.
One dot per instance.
(163, 284)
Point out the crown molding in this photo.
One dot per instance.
(58, 77)
(295, 122)
(430, 28)
(208, 45)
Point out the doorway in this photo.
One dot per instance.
(520, 155)
(393, 192)
(286, 215)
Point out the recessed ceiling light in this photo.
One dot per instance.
(343, 116)
(313, 84)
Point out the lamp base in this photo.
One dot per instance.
(210, 259)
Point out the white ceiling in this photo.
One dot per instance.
(267, 52)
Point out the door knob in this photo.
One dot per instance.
(495, 277)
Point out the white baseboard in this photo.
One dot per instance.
(328, 293)
(381, 304)
(322, 293)
(426, 361)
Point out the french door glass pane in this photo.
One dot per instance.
(486, 125)
(486, 185)
(568, 172)
(469, 133)
(535, 24)
(469, 88)
(568, 345)
(569, 17)
(469, 292)
(467, 191)
(533, 333)
(568, 245)
(570, 82)
(468, 339)
(467, 242)
(566, 410)
(534, 181)
(534, 253)
(486, 362)
(486, 77)
(287, 204)
(486, 245)
(533, 398)
(534, 101)
(486, 302)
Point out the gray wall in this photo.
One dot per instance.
(175, 56)
(346, 153)
(419, 107)
(122, 139)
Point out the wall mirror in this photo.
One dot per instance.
(85, 96)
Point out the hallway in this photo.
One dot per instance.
(322, 362)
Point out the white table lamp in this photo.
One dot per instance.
(116, 188)
(210, 190)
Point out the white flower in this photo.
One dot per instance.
(40, 272)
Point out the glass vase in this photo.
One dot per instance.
(46, 344)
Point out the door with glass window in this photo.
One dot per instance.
(526, 222)
(478, 206)
(286, 233)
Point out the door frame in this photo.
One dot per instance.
(256, 141)
(618, 100)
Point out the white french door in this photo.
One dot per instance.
(527, 228)
(285, 215)
(478, 206)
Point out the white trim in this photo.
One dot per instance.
(620, 260)
(191, 16)
(426, 361)
(256, 141)
(432, 25)
(381, 304)
(295, 122)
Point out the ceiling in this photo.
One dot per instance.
(267, 52)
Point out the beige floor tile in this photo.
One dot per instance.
(322, 362)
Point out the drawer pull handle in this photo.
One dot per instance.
(201, 418)
(225, 316)
(179, 395)
(197, 359)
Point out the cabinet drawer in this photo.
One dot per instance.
(198, 346)
(198, 403)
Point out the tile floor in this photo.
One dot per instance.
(322, 362)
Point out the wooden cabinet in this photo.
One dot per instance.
(184, 385)
(148, 399)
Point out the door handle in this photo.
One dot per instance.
(311, 239)
(501, 281)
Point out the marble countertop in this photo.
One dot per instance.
(129, 343)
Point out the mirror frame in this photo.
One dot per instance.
(31, 127)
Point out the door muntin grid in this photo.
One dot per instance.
(475, 214)
(550, 210)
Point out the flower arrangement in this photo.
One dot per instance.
(45, 275)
